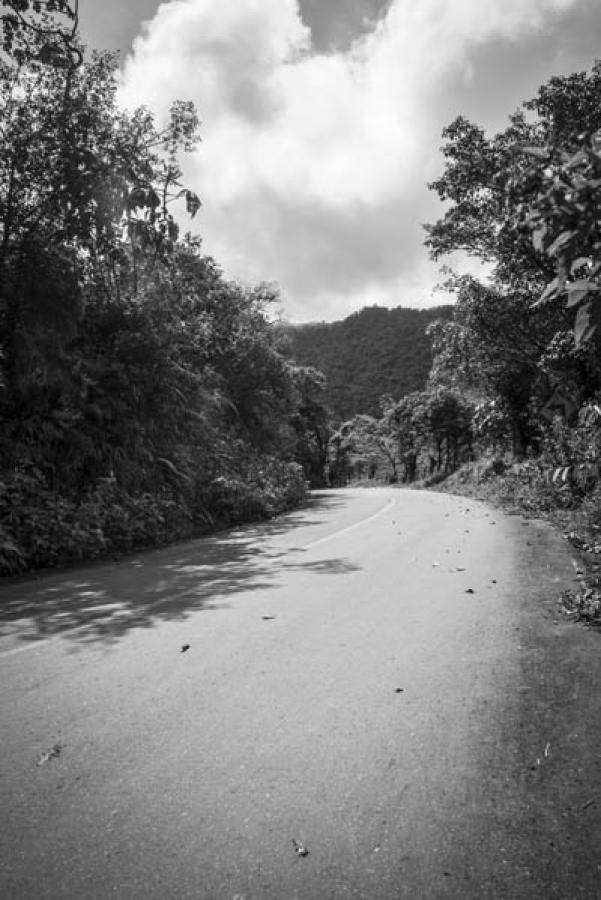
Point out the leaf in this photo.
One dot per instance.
(537, 152)
(579, 263)
(576, 160)
(54, 752)
(152, 199)
(538, 238)
(580, 289)
(137, 197)
(550, 291)
(560, 242)
(193, 203)
(584, 327)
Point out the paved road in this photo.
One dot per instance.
(379, 677)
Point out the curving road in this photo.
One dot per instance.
(379, 679)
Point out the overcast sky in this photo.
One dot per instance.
(321, 122)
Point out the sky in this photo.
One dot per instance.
(322, 121)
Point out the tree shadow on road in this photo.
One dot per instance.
(103, 602)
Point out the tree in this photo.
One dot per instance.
(563, 213)
(144, 396)
(42, 29)
(498, 190)
(311, 423)
(76, 177)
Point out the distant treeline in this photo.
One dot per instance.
(372, 353)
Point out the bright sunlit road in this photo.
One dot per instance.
(377, 701)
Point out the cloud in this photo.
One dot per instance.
(312, 167)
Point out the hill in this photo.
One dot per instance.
(372, 352)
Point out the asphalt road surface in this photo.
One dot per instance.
(377, 701)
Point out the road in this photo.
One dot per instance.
(380, 679)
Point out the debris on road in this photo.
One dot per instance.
(583, 605)
(399, 690)
(299, 849)
(54, 751)
(267, 618)
(538, 758)
(185, 647)
(587, 804)
(470, 591)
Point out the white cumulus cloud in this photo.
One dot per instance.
(312, 168)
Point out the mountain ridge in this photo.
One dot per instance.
(372, 352)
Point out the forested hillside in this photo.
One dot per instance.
(372, 353)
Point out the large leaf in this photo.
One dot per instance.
(193, 203)
(550, 291)
(538, 238)
(579, 263)
(587, 322)
(560, 242)
(580, 289)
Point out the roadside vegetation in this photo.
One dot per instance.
(512, 409)
(144, 398)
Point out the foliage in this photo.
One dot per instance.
(311, 424)
(423, 434)
(513, 341)
(43, 29)
(143, 396)
(372, 353)
(564, 213)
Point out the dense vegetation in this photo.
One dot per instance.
(515, 385)
(516, 373)
(143, 397)
(146, 398)
(370, 354)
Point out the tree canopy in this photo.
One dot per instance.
(524, 202)
(143, 396)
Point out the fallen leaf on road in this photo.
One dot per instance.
(460, 569)
(470, 591)
(434, 565)
(399, 690)
(267, 618)
(54, 751)
(299, 849)
(185, 647)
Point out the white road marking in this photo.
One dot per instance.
(36, 645)
(335, 534)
